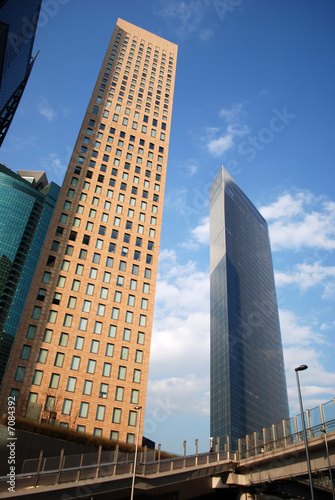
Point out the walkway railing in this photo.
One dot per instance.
(48, 472)
(289, 431)
(74, 468)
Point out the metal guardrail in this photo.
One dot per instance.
(285, 442)
(276, 437)
(62, 475)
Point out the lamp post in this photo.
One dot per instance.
(300, 369)
(323, 429)
(136, 448)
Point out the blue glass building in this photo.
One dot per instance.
(248, 386)
(18, 22)
(26, 208)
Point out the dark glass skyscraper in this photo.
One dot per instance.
(248, 386)
(18, 22)
(27, 202)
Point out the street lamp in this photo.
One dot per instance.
(300, 369)
(136, 448)
(323, 429)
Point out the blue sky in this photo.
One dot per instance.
(254, 92)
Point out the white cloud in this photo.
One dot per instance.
(186, 18)
(233, 114)
(199, 235)
(179, 361)
(302, 345)
(219, 145)
(301, 221)
(46, 110)
(54, 167)
(306, 276)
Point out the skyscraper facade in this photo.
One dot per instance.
(88, 320)
(18, 23)
(27, 202)
(248, 386)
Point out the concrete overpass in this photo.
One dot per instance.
(272, 468)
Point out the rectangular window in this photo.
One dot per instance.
(71, 384)
(132, 418)
(19, 374)
(112, 331)
(37, 378)
(129, 317)
(59, 359)
(91, 364)
(47, 335)
(124, 353)
(75, 362)
(119, 394)
(103, 393)
(106, 371)
(67, 405)
(122, 373)
(116, 416)
(140, 338)
(137, 376)
(110, 350)
(83, 411)
(25, 352)
(97, 328)
(54, 381)
(79, 343)
(115, 313)
(95, 346)
(100, 415)
(87, 389)
(42, 356)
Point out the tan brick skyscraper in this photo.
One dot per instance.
(82, 348)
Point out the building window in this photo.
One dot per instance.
(95, 346)
(122, 373)
(36, 312)
(79, 343)
(124, 353)
(132, 418)
(137, 376)
(42, 356)
(75, 363)
(97, 328)
(68, 320)
(129, 317)
(142, 320)
(83, 412)
(110, 350)
(87, 389)
(91, 364)
(106, 370)
(67, 405)
(130, 438)
(119, 394)
(103, 393)
(19, 374)
(59, 359)
(54, 381)
(47, 336)
(135, 394)
(140, 338)
(116, 416)
(71, 384)
(31, 332)
(100, 415)
(25, 352)
(52, 316)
